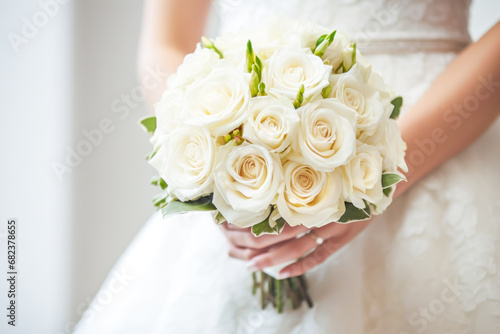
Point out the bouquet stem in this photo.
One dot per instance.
(279, 291)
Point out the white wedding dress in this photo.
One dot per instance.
(430, 264)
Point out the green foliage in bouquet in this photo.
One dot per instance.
(149, 124)
(201, 204)
(210, 45)
(266, 227)
(353, 59)
(353, 213)
(389, 180)
(299, 98)
(254, 67)
(323, 43)
(397, 103)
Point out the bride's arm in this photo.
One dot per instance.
(170, 29)
(458, 107)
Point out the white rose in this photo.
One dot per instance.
(382, 204)
(288, 69)
(353, 89)
(233, 45)
(310, 197)
(219, 101)
(247, 180)
(186, 161)
(168, 111)
(326, 135)
(387, 139)
(278, 32)
(378, 82)
(363, 176)
(294, 33)
(271, 123)
(194, 66)
(339, 54)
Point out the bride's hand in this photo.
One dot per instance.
(244, 245)
(267, 251)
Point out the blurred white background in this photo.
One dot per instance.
(73, 79)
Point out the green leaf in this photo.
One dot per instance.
(387, 191)
(256, 69)
(210, 45)
(219, 219)
(264, 227)
(254, 66)
(326, 91)
(397, 103)
(319, 41)
(280, 222)
(152, 154)
(353, 59)
(149, 124)
(158, 181)
(391, 179)
(262, 89)
(300, 98)
(320, 48)
(352, 213)
(341, 66)
(160, 199)
(254, 83)
(250, 56)
(344, 67)
(259, 64)
(175, 207)
(331, 36)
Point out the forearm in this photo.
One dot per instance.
(170, 30)
(458, 107)
(163, 60)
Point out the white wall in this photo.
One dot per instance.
(483, 15)
(62, 82)
(35, 121)
(111, 191)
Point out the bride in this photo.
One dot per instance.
(429, 264)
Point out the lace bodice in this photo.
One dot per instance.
(380, 25)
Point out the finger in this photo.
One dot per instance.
(286, 251)
(233, 235)
(318, 256)
(248, 240)
(332, 230)
(242, 253)
(341, 232)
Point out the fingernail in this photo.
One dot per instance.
(252, 266)
(283, 275)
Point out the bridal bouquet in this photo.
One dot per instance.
(283, 124)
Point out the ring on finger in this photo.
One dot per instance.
(317, 239)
